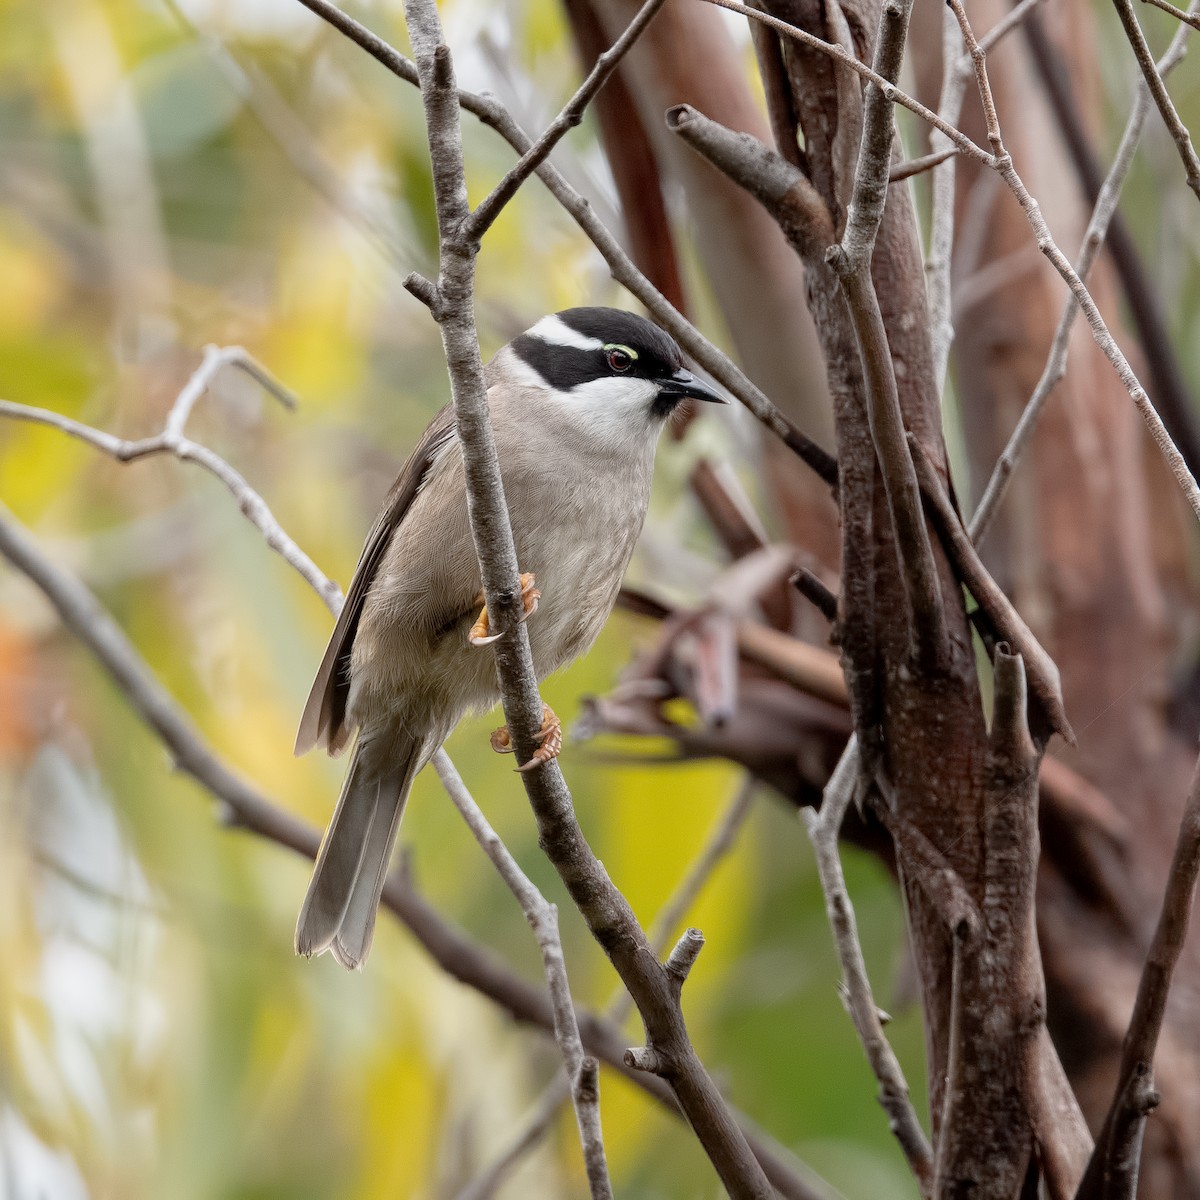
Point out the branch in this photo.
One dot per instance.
(543, 920)
(1158, 90)
(480, 221)
(823, 829)
(173, 440)
(1112, 1172)
(917, 166)
(1186, 17)
(887, 87)
(720, 841)
(606, 911)
(851, 261)
(1044, 678)
(1103, 213)
(956, 71)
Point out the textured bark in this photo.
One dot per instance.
(1088, 546)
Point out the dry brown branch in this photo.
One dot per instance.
(1040, 667)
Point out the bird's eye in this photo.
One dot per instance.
(620, 358)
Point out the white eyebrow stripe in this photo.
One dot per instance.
(559, 333)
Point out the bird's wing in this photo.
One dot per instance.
(324, 719)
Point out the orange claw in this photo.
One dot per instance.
(549, 739)
(530, 595)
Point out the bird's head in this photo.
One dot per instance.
(613, 371)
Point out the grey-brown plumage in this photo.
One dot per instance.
(577, 404)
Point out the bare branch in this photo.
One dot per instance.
(173, 440)
(1158, 90)
(956, 70)
(888, 87)
(1093, 239)
(823, 830)
(917, 166)
(1112, 1171)
(543, 920)
(1044, 677)
(480, 221)
(1187, 18)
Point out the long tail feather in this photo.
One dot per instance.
(338, 913)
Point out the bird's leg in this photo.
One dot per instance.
(530, 596)
(549, 739)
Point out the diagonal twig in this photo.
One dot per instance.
(1093, 239)
(1188, 18)
(1158, 90)
(174, 440)
(542, 916)
(824, 828)
(1112, 1171)
(490, 207)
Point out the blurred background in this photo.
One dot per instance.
(174, 175)
(237, 173)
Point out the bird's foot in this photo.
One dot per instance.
(549, 739)
(530, 596)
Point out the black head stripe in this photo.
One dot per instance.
(655, 355)
(562, 367)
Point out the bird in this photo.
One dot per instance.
(577, 403)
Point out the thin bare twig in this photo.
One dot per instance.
(480, 221)
(918, 166)
(823, 829)
(1112, 1171)
(1158, 90)
(956, 71)
(1093, 239)
(174, 440)
(1188, 18)
(543, 920)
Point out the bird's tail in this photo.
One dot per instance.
(339, 910)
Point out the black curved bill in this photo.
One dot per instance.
(684, 383)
